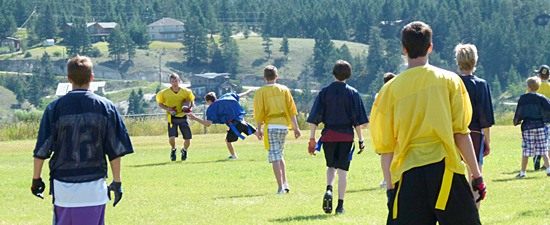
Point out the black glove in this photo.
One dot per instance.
(390, 193)
(479, 186)
(117, 188)
(361, 146)
(38, 187)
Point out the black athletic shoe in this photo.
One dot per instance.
(173, 154)
(183, 154)
(327, 202)
(536, 162)
(340, 210)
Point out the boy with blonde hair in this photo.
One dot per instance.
(533, 111)
(275, 111)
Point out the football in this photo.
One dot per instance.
(186, 106)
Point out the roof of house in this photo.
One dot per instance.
(105, 25)
(211, 75)
(166, 21)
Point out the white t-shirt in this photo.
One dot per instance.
(91, 193)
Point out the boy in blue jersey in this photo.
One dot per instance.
(227, 110)
(80, 129)
(340, 108)
(532, 112)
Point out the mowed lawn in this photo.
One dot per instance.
(207, 189)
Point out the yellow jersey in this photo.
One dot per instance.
(273, 104)
(172, 99)
(416, 115)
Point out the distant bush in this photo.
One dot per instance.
(31, 116)
(57, 54)
(28, 54)
(95, 52)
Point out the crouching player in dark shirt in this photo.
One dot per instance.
(78, 131)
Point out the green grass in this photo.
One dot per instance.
(165, 45)
(207, 189)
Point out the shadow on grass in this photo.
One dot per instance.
(166, 163)
(300, 218)
(362, 190)
(238, 196)
(513, 179)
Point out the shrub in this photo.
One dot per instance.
(57, 54)
(28, 55)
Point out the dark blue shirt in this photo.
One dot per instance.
(339, 107)
(480, 97)
(534, 110)
(225, 108)
(80, 129)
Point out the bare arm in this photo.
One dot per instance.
(38, 164)
(245, 93)
(466, 148)
(163, 106)
(487, 140)
(115, 168)
(359, 132)
(199, 120)
(385, 160)
(260, 131)
(297, 132)
(312, 128)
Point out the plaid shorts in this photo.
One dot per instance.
(276, 138)
(535, 142)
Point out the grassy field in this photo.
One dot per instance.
(207, 189)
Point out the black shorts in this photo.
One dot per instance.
(418, 194)
(337, 154)
(242, 127)
(183, 126)
(477, 140)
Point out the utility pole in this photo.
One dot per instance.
(160, 69)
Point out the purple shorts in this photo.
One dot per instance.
(88, 215)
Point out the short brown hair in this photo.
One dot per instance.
(79, 70)
(416, 38)
(270, 72)
(533, 83)
(388, 77)
(341, 70)
(211, 96)
(174, 76)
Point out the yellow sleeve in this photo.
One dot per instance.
(259, 113)
(160, 97)
(290, 104)
(461, 107)
(190, 95)
(381, 124)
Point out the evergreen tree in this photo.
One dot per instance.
(196, 43)
(267, 44)
(78, 41)
(284, 47)
(46, 25)
(117, 44)
(321, 54)
(345, 54)
(138, 34)
(7, 25)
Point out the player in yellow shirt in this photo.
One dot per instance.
(171, 100)
(419, 125)
(275, 111)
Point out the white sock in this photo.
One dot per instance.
(548, 170)
(522, 173)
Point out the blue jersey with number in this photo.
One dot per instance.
(226, 108)
(80, 129)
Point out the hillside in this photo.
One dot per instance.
(145, 66)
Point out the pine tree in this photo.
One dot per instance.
(322, 51)
(284, 47)
(196, 43)
(117, 44)
(267, 45)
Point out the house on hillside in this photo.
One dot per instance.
(166, 29)
(211, 82)
(98, 31)
(9, 44)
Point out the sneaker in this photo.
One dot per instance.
(232, 157)
(286, 188)
(327, 202)
(543, 168)
(383, 184)
(520, 175)
(340, 210)
(173, 154)
(183, 154)
(280, 192)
